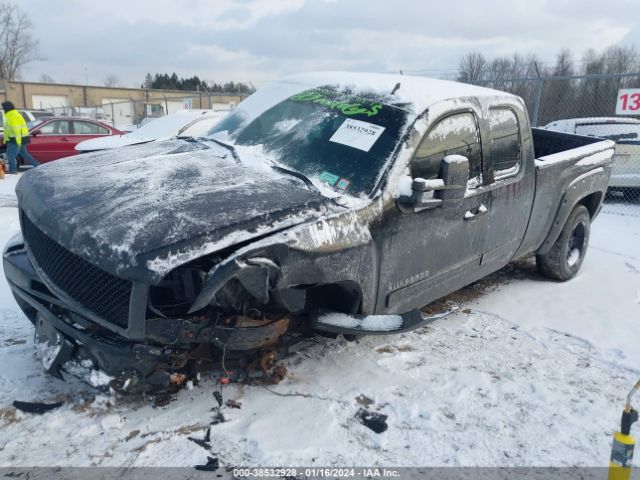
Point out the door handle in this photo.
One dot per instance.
(476, 212)
(64, 139)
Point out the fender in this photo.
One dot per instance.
(593, 181)
(337, 250)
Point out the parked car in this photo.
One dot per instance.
(182, 123)
(625, 176)
(56, 137)
(333, 202)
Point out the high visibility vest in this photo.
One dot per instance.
(14, 127)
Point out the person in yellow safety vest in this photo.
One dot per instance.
(16, 137)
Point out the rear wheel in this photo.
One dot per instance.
(565, 258)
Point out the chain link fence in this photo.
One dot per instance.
(128, 115)
(586, 105)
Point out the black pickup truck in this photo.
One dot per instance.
(332, 202)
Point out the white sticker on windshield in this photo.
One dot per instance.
(357, 134)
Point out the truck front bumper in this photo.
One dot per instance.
(68, 342)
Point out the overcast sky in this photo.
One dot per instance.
(259, 40)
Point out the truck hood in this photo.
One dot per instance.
(141, 211)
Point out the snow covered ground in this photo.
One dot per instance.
(524, 372)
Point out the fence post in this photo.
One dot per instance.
(536, 103)
(537, 97)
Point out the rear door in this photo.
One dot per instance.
(52, 142)
(430, 253)
(509, 174)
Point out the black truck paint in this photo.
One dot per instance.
(144, 260)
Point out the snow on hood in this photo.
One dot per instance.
(141, 211)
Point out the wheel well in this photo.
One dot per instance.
(592, 201)
(344, 297)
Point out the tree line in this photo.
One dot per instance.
(165, 81)
(547, 85)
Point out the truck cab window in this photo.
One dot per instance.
(454, 135)
(505, 141)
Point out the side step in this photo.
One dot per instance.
(345, 323)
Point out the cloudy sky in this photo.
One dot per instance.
(259, 40)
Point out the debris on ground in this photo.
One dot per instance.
(205, 442)
(162, 400)
(36, 407)
(218, 417)
(211, 466)
(362, 399)
(372, 420)
(234, 404)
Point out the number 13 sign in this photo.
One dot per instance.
(628, 102)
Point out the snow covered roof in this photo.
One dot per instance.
(420, 91)
(568, 123)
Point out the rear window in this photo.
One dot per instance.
(88, 128)
(505, 141)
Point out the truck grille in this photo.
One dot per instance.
(98, 291)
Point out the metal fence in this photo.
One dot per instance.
(586, 105)
(128, 115)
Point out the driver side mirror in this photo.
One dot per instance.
(454, 173)
(35, 133)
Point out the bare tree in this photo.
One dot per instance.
(17, 44)
(472, 67)
(45, 78)
(111, 81)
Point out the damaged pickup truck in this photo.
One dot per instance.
(333, 202)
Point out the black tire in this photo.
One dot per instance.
(565, 258)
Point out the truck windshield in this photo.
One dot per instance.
(334, 137)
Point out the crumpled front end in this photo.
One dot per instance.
(69, 342)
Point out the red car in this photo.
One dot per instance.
(56, 137)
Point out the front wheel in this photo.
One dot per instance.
(565, 258)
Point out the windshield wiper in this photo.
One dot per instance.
(231, 148)
(299, 175)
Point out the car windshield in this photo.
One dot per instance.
(34, 123)
(200, 127)
(166, 126)
(336, 137)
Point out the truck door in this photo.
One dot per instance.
(430, 253)
(510, 177)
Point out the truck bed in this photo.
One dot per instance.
(549, 142)
(566, 165)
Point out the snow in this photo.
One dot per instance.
(522, 372)
(377, 323)
(421, 92)
(569, 125)
(596, 158)
(604, 147)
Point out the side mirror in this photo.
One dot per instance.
(454, 172)
(421, 197)
(35, 133)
